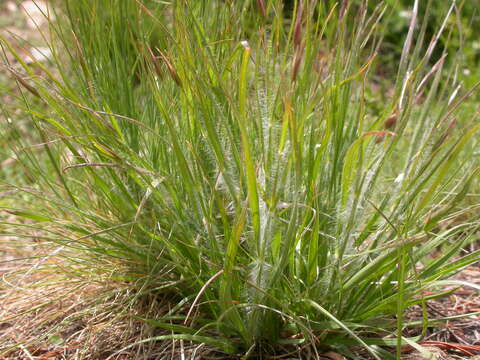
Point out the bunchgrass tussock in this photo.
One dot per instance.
(224, 152)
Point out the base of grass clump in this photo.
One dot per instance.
(44, 316)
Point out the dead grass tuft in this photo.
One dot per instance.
(46, 314)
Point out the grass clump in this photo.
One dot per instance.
(224, 152)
